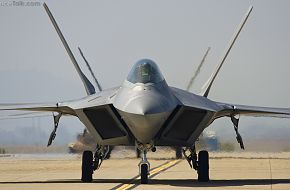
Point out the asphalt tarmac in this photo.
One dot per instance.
(227, 171)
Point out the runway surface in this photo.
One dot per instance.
(227, 171)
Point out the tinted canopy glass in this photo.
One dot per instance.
(145, 71)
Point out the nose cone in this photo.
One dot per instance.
(147, 105)
(145, 108)
(144, 127)
(145, 115)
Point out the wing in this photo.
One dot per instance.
(24, 115)
(41, 107)
(194, 113)
(68, 107)
(232, 109)
(195, 101)
(96, 112)
(102, 119)
(187, 120)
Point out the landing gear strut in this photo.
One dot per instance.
(200, 163)
(101, 153)
(191, 157)
(144, 167)
(56, 119)
(91, 162)
(235, 121)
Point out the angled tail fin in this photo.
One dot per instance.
(197, 70)
(209, 83)
(88, 85)
(91, 71)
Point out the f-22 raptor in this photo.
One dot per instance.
(145, 112)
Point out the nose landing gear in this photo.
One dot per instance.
(144, 167)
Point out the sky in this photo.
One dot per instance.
(113, 35)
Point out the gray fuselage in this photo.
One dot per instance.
(144, 109)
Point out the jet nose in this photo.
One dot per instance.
(146, 105)
(145, 115)
(145, 109)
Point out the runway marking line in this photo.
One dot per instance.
(152, 174)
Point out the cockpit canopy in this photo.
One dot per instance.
(145, 71)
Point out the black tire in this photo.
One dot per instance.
(87, 167)
(144, 173)
(178, 153)
(203, 166)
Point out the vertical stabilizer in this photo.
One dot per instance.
(88, 85)
(196, 73)
(209, 83)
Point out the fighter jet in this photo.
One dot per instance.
(146, 112)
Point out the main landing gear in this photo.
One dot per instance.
(87, 166)
(91, 162)
(200, 163)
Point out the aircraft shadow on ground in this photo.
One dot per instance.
(219, 183)
(172, 182)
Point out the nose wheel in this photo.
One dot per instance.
(144, 173)
(144, 167)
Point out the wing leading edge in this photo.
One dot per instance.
(42, 107)
(67, 107)
(232, 109)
